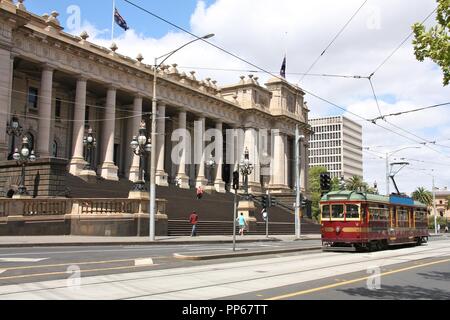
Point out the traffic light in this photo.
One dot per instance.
(272, 201)
(236, 180)
(265, 201)
(325, 182)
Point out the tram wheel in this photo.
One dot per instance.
(379, 245)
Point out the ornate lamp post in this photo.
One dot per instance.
(141, 146)
(13, 129)
(90, 143)
(23, 157)
(246, 169)
(210, 165)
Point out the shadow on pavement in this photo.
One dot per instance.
(399, 293)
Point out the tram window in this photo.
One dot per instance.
(337, 211)
(326, 212)
(352, 211)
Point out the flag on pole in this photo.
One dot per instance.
(283, 68)
(120, 20)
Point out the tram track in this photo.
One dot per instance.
(233, 266)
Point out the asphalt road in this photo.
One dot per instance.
(421, 279)
(24, 265)
(125, 273)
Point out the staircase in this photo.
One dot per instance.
(215, 210)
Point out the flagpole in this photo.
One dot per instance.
(112, 24)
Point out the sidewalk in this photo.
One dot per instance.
(41, 241)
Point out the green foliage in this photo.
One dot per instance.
(442, 221)
(314, 187)
(335, 184)
(356, 183)
(423, 195)
(435, 43)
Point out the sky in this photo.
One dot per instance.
(263, 31)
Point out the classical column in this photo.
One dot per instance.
(251, 143)
(45, 112)
(182, 178)
(6, 76)
(134, 124)
(161, 175)
(108, 169)
(218, 183)
(200, 152)
(278, 178)
(77, 163)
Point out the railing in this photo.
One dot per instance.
(54, 207)
(108, 206)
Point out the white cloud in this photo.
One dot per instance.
(256, 30)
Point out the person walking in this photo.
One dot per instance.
(193, 219)
(199, 192)
(241, 220)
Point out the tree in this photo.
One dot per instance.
(423, 195)
(356, 183)
(435, 43)
(314, 187)
(448, 203)
(335, 184)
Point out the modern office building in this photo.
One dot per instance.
(337, 145)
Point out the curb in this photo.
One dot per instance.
(160, 242)
(242, 254)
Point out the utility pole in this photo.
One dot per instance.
(434, 207)
(298, 138)
(387, 174)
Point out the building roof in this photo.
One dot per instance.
(363, 196)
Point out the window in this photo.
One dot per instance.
(58, 108)
(86, 116)
(33, 97)
(337, 211)
(326, 212)
(352, 211)
(55, 149)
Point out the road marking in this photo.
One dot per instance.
(65, 272)
(1, 271)
(290, 295)
(75, 263)
(21, 259)
(143, 262)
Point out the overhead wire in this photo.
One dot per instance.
(334, 39)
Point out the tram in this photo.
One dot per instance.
(353, 221)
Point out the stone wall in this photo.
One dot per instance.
(43, 178)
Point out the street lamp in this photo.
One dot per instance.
(141, 146)
(13, 129)
(90, 143)
(210, 165)
(246, 168)
(153, 134)
(23, 157)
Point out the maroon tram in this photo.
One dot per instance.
(354, 220)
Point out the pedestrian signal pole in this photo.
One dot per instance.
(266, 213)
(235, 187)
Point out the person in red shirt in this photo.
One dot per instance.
(193, 219)
(199, 193)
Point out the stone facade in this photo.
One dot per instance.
(59, 85)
